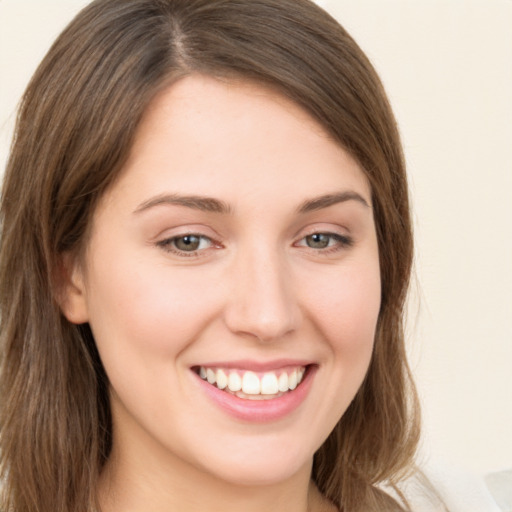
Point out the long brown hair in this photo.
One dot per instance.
(74, 131)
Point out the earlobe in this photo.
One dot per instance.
(71, 293)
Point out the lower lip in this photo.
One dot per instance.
(260, 411)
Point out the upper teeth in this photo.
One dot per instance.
(251, 383)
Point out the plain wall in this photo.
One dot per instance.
(447, 66)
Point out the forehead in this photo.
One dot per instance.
(206, 136)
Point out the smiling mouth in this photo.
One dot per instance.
(252, 385)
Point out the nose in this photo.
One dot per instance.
(262, 302)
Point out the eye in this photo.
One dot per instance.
(189, 243)
(325, 241)
(319, 240)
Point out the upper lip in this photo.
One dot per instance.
(256, 366)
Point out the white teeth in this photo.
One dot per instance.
(283, 382)
(210, 376)
(222, 379)
(234, 382)
(292, 380)
(251, 384)
(269, 385)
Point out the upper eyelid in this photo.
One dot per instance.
(330, 229)
(216, 238)
(166, 244)
(344, 239)
(175, 237)
(185, 230)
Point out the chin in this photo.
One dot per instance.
(255, 475)
(260, 465)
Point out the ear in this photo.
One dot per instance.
(71, 292)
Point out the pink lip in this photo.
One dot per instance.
(257, 366)
(258, 411)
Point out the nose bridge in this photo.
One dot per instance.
(262, 303)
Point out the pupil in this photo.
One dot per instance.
(187, 243)
(318, 241)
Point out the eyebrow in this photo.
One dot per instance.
(205, 204)
(210, 204)
(318, 203)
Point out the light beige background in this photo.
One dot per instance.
(447, 66)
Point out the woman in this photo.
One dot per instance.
(205, 252)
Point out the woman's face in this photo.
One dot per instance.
(237, 249)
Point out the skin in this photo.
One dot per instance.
(256, 289)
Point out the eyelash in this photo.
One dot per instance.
(340, 242)
(169, 244)
(336, 243)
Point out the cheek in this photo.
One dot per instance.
(147, 309)
(346, 307)
(142, 321)
(345, 311)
